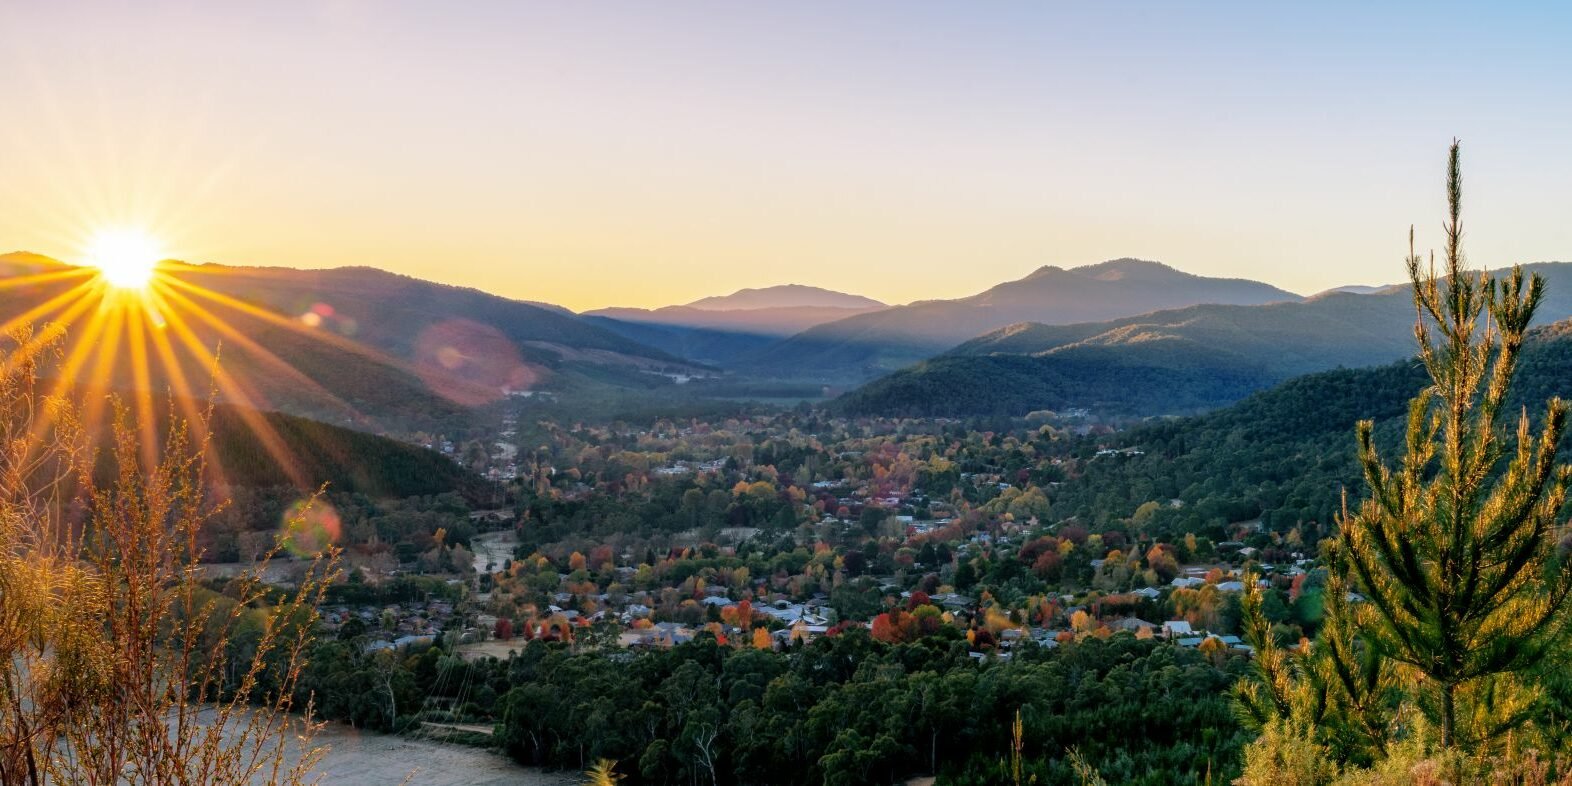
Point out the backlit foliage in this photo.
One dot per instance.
(116, 664)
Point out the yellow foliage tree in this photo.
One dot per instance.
(762, 639)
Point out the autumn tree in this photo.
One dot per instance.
(762, 640)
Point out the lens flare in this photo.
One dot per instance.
(310, 527)
(470, 363)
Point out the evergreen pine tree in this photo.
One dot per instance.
(1456, 549)
(1448, 585)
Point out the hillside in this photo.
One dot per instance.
(356, 346)
(1013, 385)
(864, 346)
(1207, 353)
(257, 449)
(395, 313)
(347, 460)
(1284, 454)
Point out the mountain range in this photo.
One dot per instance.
(867, 345)
(719, 330)
(1167, 362)
(382, 352)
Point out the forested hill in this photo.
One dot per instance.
(346, 460)
(391, 311)
(310, 453)
(1168, 362)
(1182, 379)
(1282, 455)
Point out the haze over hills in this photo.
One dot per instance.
(778, 321)
(714, 346)
(1168, 362)
(718, 330)
(869, 344)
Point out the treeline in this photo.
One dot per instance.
(400, 528)
(844, 710)
(1283, 456)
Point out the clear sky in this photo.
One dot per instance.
(641, 153)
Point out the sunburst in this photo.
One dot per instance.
(126, 258)
(126, 312)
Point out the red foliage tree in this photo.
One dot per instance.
(885, 629)
(1048, 565)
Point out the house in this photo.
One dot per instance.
(807, 633)
(1132, 624)
(1231, 642)
(663, 634)
(1150, 593)
(1187, 582)
(791, 613)
(1177, 628)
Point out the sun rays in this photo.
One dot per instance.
(129, 325)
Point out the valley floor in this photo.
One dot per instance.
(359, 758)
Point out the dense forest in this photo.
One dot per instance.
(845, 709)
(1283, 456)
(346, 460)
(947, 386)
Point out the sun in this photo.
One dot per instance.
(125, 258)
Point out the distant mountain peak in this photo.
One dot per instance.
(784, 296)
(1129, 267)
(1044, 272)
(1112, 270)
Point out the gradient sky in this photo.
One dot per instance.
(639, 153)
